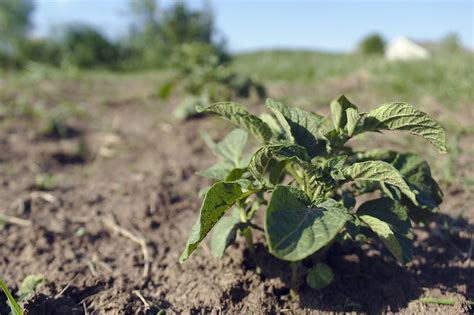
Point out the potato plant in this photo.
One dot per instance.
(204, 75)
(307, 179)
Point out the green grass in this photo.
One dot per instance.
(15, 308)
(447, 78)
(305, 67)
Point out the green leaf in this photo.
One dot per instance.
(206, 137)
(187, 108)
(378, 171)
(295, 228)
(15, 308)
(238, 115)
(402, 116)
(165, 90)
(29, 286)
(301, 127)
(417, 175)
(224, 234)
(218, 199)
(235, 174)
(232, 146)
(353, 225)
(339, 107)
(353, 118)
(390, 221)
(274, 125)
(320, 276)
(217, 171)
(264, 161)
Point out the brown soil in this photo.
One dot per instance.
(139, 175)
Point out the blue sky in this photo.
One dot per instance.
(252, 25)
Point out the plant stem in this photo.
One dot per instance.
(295, 175)
(14, 305)
(295, 278)
(247, 233)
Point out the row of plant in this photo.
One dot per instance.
(306, 179)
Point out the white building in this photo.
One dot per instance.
(402, 48)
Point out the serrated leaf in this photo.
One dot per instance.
(390, 221)
(218, 199)
(402, 116)
(263, 161)
(224, 234)
(301, 127)
(238, 115)
(320, 276)
(378, 171)
(339, 107)
(295, 228)
(232, 146)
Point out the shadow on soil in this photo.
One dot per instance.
(370, 280)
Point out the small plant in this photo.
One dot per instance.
(28, 287)
(15, 308)
(206, 79)
(307, 179)
(45, 182)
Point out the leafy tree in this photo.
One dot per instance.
(85, 47)
(180, 24)
(14, 23)
(372, 44)
(157, 31)
(14, 19)
(41, 50)
(451, 43)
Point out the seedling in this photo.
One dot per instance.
(45, 182)
(28, 287)
(307, 180)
